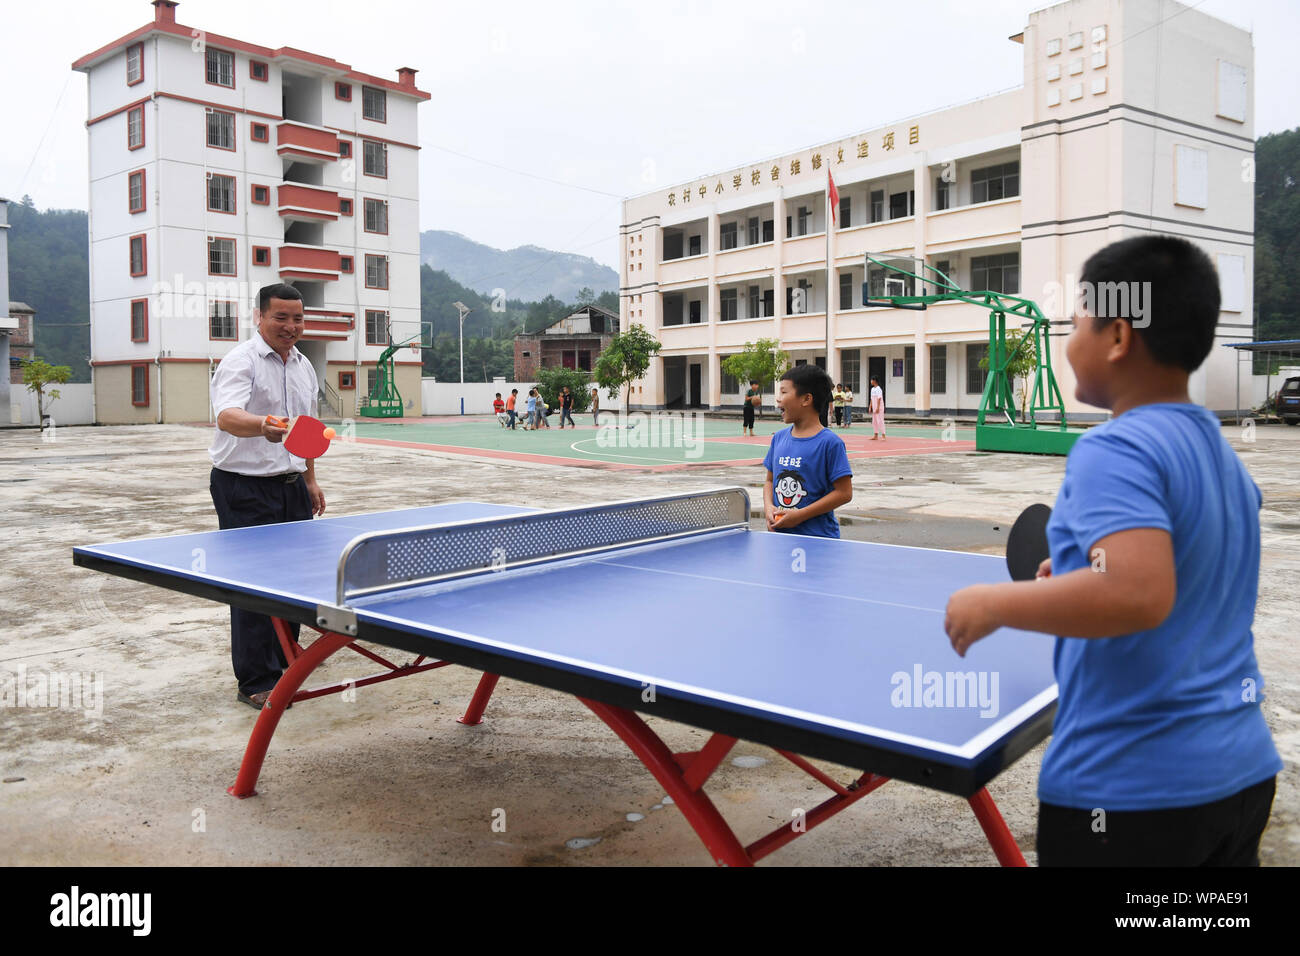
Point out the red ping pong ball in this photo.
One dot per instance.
(330, 433)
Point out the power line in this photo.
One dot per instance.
(520, 172)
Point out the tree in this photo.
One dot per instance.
(586, 296)
(38, 374)
(625, 359)
(551, 380)
(761, 361)
(1021, 367)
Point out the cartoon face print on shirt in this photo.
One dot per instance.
(789, 489)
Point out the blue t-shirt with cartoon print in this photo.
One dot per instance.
(804, 470)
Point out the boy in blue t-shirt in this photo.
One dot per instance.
(1160, 754)
(808, 471)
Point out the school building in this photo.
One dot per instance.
(1135, 117)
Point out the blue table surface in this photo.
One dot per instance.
(839, 634)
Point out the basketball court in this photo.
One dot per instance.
(653, 443)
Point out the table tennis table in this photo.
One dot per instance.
(669, 606)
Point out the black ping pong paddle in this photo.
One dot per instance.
(1027, 543)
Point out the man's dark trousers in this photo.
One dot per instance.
(241, 502)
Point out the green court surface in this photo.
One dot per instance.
(660, 441)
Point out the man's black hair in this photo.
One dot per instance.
(276, 290)
(1179, 295)
(811, 380)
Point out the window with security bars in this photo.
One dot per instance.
(976, 377)
(851, 369)
(376, 216)
(374, 104)
(909, 370)
(995, 182)
(376, 272)
(376, 159)
(877, 205)
(727, 235)
(846, 291)
(221, 68)
(221, 193)
(221, 129)
(938, 369)
(139, 320)
(135, 128)
(728, 302)
(376, 327)
(134, 64)
(221, 257)
(138, 256)
(999, 273)
(139, 384)
(135, 191)
(223, 322)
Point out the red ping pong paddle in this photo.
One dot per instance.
(308, 437)
(1027, 543)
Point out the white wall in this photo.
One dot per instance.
(74, 406)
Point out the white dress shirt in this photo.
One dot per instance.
(252, 377)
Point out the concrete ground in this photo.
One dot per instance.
(391, 778)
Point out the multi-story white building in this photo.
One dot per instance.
(1135, 117)
(218, 166)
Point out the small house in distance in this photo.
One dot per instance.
(571, 342)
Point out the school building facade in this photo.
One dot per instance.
(1135, 117)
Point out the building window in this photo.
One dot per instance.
(258, 70)
(343, 91)
(755, 302)
(376, 159)
(221, 257)
(261, 195)
(851, 369)
(728, 302)
(261, 255)
(376, 211)
(223, 323)
(347, 381)
(730, 385)
(944, 266)
(139, 385)
(900, 204)
(135, 191)
(135, 128)
(221, 129)
(938, 369)
(376, 272)
(376, 327)
(909, 370)
(728, 235)
(804, 216)
(221, 193)
(941, 195)
(995, 182)
(693, 246)
(846, 291)
(877, 205)
(846, 212)
(752, 231)
(345, 264)
(693, 312)
(259, 133)
(139, 256)
(345, 149)
(221, 68)
(996, 273)
(345, 207)
(976, 377)
(374, 104)
(139, 320)
(135, 64)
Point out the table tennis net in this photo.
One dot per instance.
(381, 561)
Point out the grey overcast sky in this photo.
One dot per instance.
(545, 114)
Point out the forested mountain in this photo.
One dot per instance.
(1277, 236)
(527, 273)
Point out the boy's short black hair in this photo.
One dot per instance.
(811, 380)
(1166, 283)
(276, 290)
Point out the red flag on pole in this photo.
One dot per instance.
(834, 196)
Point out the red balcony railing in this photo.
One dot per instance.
(297, 201)
(309, 262)
(306, 143)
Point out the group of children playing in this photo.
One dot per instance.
(536, 411)
(842, 402)
(1160, 754)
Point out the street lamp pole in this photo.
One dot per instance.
(464, 310)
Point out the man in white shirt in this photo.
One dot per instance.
(255, 480)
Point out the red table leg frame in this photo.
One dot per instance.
(683, 775)
(302, 661)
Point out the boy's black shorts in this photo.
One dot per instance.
(749, 415)
(1223, 833)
